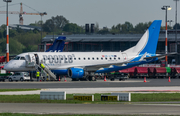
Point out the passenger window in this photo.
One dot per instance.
(88, 58)
(93, 58)
(61, 58)
(97, 58)
(110, 58)
(84, 58)
(119, 58)
(114, 58)
(74, 58)
(79, 58)
(101, 58)
(106, 58)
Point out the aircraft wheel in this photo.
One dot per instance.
(93, 79)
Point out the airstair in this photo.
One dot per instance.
(46, 73)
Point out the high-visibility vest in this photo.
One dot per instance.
(42, 66)
(37, 74)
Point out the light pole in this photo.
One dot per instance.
(166, 8)
(7, 32)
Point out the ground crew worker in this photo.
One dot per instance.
(42, 66)
(37, 75)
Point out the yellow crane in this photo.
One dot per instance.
(21, 13)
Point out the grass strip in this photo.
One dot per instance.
(20, 114)
(135, 97)
(6, 90)
(155, 97)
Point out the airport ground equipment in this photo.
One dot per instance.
(151, 72)
(117, 75)
(175, 72)
(141, 72)
(3, 76)
(53, 95)
(160, 72)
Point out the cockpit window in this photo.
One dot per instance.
(22, 58)
(16, 58)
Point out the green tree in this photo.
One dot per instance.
(141, 27)
(127, 27)
(105, 30)
(73, 28)
(12, 33)
(55, 23)
(178, 26)
(116, 29)
(1, 34)
(15, 47)
(38, 24)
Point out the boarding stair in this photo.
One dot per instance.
(45, 72)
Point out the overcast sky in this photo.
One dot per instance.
(104, 12)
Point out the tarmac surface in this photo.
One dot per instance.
(91, 84)
(108, 109)
(131, 85)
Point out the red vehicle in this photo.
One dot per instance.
(159, 72)
(141, 72)
(130, 71)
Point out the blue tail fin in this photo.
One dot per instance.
(58, 45)
(148, 42)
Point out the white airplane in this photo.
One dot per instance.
(83, 64)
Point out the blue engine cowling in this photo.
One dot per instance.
(75, 72)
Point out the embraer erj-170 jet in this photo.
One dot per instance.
(85, 64)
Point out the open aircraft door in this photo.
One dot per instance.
(32, 60)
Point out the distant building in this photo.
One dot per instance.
(24, 27)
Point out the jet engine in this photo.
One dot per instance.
(76, 72)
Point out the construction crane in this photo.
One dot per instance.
(21, 13)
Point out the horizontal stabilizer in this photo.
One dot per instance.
(162, 55)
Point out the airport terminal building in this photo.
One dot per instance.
(109, 42)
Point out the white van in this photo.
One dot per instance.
(19, 76)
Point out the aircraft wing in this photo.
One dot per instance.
(110, 65)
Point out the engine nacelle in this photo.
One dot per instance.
(76, 72)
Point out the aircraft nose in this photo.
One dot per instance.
(7, 67)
